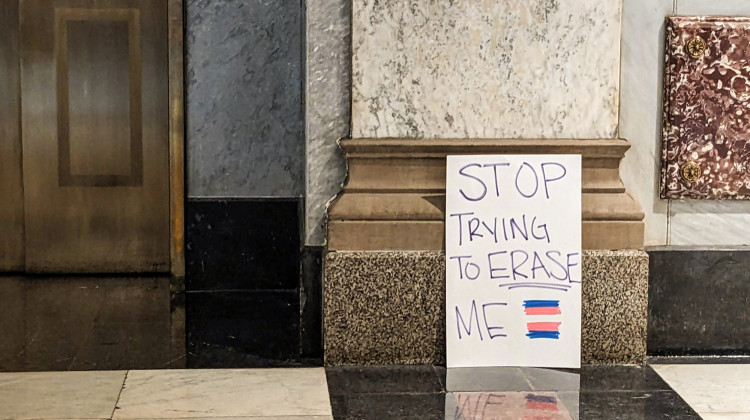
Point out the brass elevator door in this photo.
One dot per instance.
(94, 129)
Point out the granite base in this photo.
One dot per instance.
(614, 307)
(387, 307)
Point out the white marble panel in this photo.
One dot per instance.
(483, 69)
(697, 222)
(328, 107)
(710, 388)
(640, 108)
(710, 223)
(712, 7)
(224, 393)
(55, 395)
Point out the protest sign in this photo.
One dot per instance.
(513, 260)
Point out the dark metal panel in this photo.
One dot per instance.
(96, 135)
(11, 185)
(98, 98)
(110, 322)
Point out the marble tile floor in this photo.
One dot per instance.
(714, 391)
(657, 391)
(256, 394)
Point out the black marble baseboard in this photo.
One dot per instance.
(242, 328)
(699, 302)
(311, 302)
(253, 293)
(699, 360)
(242, 244)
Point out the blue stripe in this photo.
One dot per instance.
(541, 303)
(541, 398)
(554, 335)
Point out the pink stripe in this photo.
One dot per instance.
(542, 311)
(543, 326)
(535, 405)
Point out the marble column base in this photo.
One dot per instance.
(387, 307)
(394, 198)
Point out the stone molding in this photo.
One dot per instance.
(394, 197)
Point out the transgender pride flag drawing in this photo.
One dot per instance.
(545, 329)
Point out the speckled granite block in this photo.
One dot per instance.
(387, 307)
(615, 307)
(384, 307)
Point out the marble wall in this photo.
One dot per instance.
(245, 116)
(245, 73)
(544, 68)
(541, 68)
(668, 222)
(328, 107)
(640, 108)
(485, 69)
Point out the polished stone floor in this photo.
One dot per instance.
(658, 391)
(57, 323)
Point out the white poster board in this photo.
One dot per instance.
(513, 260)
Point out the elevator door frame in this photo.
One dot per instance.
(176, 64)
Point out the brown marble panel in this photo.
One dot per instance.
(706, 139)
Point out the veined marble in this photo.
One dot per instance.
(710, 388)
(483, 69)
(328, 107)
(710, 223)
(224, 393)
(640, 109)
(59, 395)
(245, 116)
(709, 7)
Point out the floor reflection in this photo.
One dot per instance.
(504, 379)
(505, 405)
(87, 323)
(511, 393)
(425, 392)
